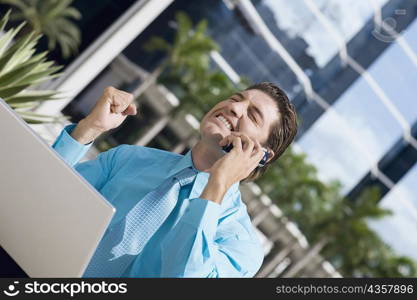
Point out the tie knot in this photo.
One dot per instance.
(185, 176)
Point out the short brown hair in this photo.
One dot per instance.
(282, 132)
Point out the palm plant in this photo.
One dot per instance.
(188, 56)
(20, 70)
(51, 18)
(336, 226)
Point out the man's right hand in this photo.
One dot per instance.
(109, 112)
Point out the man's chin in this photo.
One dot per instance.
(213, 138)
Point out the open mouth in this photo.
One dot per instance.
(225, 122)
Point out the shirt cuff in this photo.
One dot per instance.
(203, 214)
(69, 148)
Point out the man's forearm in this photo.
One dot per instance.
(214, 190)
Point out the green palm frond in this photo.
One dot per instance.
(4, 21)
(6, 39)
(51, 18)
(157, 43)
(10, 91)
(17, 3)
(30, 96)
(19, 53)
(35, 118)
(184, 27)
(21, 70)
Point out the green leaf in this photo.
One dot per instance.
(71, 12)
(17, 73)
(184, 27)
(25, 105)
(4, 20)
(13, 54)
(55, 11)
(38, 57)
(19, 44)
(21, 68)
(32, 96)
(8, 37)
(40, 76)
(5, 41)
(157, 44)
(69, 29)
(201, 28)
(18, 3)
(6, 92)
(33, 118)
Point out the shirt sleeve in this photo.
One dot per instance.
(96, 171)
(200, 246)
(69, 148)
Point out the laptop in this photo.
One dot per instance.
(51, 218)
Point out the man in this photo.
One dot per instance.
(206, 231)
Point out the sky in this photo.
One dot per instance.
(400, 229)
(347, 16)
(344, 143)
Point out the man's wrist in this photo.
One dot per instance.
(84, 133)
(214, 190)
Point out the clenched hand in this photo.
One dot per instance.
(109, 112)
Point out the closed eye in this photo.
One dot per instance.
(253, 115)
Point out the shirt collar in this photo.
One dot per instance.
(186, 161)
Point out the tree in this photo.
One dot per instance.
(188, 54)
(335, 226)
(51, 18)
(21, 71)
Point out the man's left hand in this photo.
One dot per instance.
(239, 162)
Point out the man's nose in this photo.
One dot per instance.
(238, 108)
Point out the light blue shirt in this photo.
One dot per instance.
(200, 238)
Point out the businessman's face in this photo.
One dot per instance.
(251, 112)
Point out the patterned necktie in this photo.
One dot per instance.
(127, 238)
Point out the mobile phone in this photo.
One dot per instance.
(263, 161)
